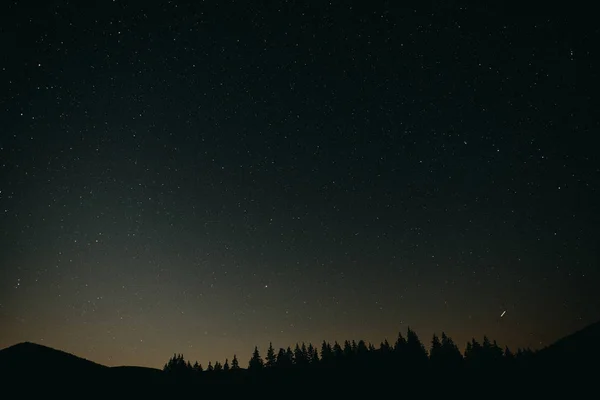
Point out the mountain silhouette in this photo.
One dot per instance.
(41, 362)
(565, 362)
(37, 362)
(572, 352)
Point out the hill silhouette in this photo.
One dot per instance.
(33, 361)
(572, 352)
(36, 361)
(407, 359)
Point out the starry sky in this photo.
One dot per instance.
(205, 177)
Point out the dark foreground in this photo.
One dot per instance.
(567, 368)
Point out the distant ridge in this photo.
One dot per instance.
(29, 349)
(35, 363)
(38, 361)
(574, 350)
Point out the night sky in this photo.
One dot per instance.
(202, 178)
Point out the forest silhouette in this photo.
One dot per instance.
(407, 356)
(436, 365)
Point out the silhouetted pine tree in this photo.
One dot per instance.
(491, 353)
(361, 348)
(436, 354)
(348, 352)
(169, 365)
(197, 367)
(415, 351)
(497, 353)
(361, 354)
(385, 347)
(468, 351)
(400, 345)
(508, 358)
(235, 365)
(271, 359)
(314, 359)
(226, 365)
(338, 353)
(256, 362)
(300, 355)
(289, 354)
(473, 354)
(304, 350)
(477, 350)
(218, 366)
(311, 354)
(451, 354)
(384, 355)
(210, 367)
(280, 358)
(486, 351)
(326, 353)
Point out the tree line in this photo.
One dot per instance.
(406, 353)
